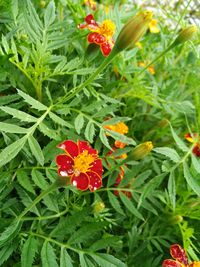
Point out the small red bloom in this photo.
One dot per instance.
(191, 138)
(100, 34)
(81, 163)
(180, 258)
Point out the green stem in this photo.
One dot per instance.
(38, 198)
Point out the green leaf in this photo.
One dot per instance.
(28, 252)
(90, 131)
(10, 232)
(11, 128)
(172, 189)
(24, 181)
(48, 256)
(168, 152)
(79, 122)
(123, 138)
(49, 14)
(129, 205)
(179, 141)
(5, 44)
(11, 151)
(190, 179)
(106, 260)
(65, 259)
(14, 8)
(104, 139)
(31, 101)
(115, 120)
(36, 150)
(52, 134)
(115, 203)
(39, 179)
(6, 252)
(195, 163)
(59, 120)
(83, 260)
(18, 114)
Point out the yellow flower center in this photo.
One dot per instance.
(107, 28)
(195, 264)
(83, 162)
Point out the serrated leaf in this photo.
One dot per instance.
(39, 179)
(115, 203)
(172, 189)
(79, 122)
(178, 140)
(123, 138)
(28, 252)
(49, 14)
(31, 101)
(6, 252)
(24, 181)
(48, 255)
(10, 232)
(191, 180)
(168, 152)
(115, 120)
(36, 149)
(90, 131)
(18, 114)
(196, 163)
(52, 134)
(59, 120)
(11, 151)
(129, 205)
(11, 128)
(14, 8)
(5, 44)
(65, 259)
(104, 139)
(107, 260)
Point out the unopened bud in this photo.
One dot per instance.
(175, 219)
(141, 151)
(163, 123)
(133, 30)
(42, 4)
(99, 206)
(186, 35)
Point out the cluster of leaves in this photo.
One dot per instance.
(43, 58)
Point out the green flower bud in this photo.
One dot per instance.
(133, 30)
(141, 151)
(99, 206)
(186, 35)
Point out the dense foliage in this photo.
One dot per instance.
(149, 198)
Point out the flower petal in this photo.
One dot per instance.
(70, 148)
(64, 160)
(83, 145)
(95, 181)
(97, 167)
(171, 263)
(81, 181)
(179, 254)
(65, 171)
(106, 48)
(196, 150)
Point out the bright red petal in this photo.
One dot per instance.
(106, 48)
(70, 148)
(95, 181)
(97, 167)
(64, 160)
(99, 39)
(65, 171)
(91, 37)
(171, 263)
(90, 20)
(179, 254)
(83, 145)
(196, 150)
(81, 181)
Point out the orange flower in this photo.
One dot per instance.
(180, 258)
(191, 138)
(121, 128)
(100, 34)
(151, 68)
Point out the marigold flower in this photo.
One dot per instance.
(180, 258)
(120, 128)
(186, 34)
(81, 163)
(151, 68)
(153, 28)
(191, 138)
(100, 34)
(91, 3)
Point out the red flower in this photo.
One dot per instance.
(179, 254)
(81, 163)
(191, 138)
(100, 34)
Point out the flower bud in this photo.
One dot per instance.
(141, 151)
(175, 219)
(186, 35)
(99, 206)
(133, 30)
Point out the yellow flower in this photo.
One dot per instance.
(153, 26)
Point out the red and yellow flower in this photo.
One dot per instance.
(192, 139)
(81, 163)
(100, 34)
(180, 258)
(90, 3)
(120, 128)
